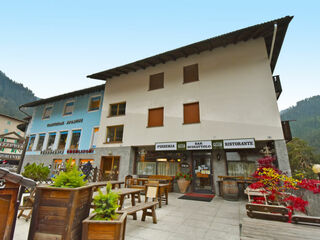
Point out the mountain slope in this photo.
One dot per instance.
(12, 95)
(307, 124)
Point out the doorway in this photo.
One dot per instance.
(202, 172)
(109, 166)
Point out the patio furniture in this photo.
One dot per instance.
(28, 202)
(125, 192)
(259, 192)
(126, 180)
(267, 212)
(148, 208)
(162, 191)
(305, 219)
(163, 179)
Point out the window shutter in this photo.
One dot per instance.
(156, 81)
(190, 73)
(191, 113)
(155, 117)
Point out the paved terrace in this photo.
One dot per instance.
(218, 219)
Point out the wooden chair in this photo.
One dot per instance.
(126, 181)
(28, 202)
(133, 183)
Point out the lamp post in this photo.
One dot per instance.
(316, 169)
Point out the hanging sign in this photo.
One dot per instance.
(239, 143)
(11, 145)
(199, 145)
(166, 146)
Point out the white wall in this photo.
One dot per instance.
(235, 93)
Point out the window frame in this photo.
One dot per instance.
(71, 135)
(40, 135)
(44, 110)
(115, 132)
(162, 73)
(184, 73)
(184, 123)
(148, 125)
(91, 97)
(64, 108)
(65, 146)
(118, 106)
(92, 137)
(34, 137)
(47, 143)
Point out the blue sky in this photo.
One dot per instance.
(51, 46)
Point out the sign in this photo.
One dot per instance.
(217, 144)
(46, 152)
(199, 145)
(7, 156)
(2, 183)
(11, 145)
(239, 143)
(166, 146)
(181, 146)
(185, 165)
(80, 151)
(80, 120)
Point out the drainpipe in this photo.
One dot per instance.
(273, 40)
(23, 111)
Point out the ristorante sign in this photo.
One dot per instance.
(11, 145)
(6, 156)
(207, 145)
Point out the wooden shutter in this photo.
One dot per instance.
(191, 113)
(156, 81)
(190, 73)
(155, 117)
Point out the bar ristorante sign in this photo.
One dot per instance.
(207, 145)
(80, 120)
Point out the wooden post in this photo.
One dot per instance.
(22, 155)
(95, 174)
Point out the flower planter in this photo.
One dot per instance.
(102, 229)
(183, 184)
(58, 212)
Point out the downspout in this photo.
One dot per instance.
(273, 41)
(23, 111)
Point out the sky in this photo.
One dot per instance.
(51, 46)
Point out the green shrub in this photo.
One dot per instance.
(106, 204)
(36, 172)
(71, 178)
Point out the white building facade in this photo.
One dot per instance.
(208, 109)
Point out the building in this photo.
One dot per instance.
(208, 108)
(11, 139)
(64, 127)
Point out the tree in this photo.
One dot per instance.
(302, 157)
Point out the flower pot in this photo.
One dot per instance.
(58, 212)
(103, 229)
(183, 184)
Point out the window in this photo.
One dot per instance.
(40, 142)
(68, 108)
(94, 137)
(47, 112)
(9, 122)
(51, 139)
(75, 139)
(117, 109)
(190, 73)
(155, 118)
(191, 113)
(31, 142)
(114, 134)
(62, 140)
(156, 81)
(94, 103)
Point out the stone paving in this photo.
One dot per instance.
(181, 219)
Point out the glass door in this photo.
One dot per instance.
(202, 172)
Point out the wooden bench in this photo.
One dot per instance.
(267, 212)
(305, 219)
(142, 207)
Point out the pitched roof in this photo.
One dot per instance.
(7, 116)
(264, 30)
(64, 96)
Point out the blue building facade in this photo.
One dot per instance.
(64, 126)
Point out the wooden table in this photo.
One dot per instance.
(104, 183)
(163, 188)
(143, 181)
(123, 192)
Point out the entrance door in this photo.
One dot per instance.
(110, 166)
(202, 172)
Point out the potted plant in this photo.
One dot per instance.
(36, 172)
(183, 180)
(60, 208)
(105, 223)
